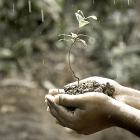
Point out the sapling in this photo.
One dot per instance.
(90, 86)
(75, 36)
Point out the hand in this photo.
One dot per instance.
(123, 94)
(100, 80)
(93, 108)
(94, 111)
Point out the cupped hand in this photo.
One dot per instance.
(94, 111)
(123, 94)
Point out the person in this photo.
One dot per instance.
(96, 111)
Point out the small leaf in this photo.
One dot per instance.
(73, 35)
(79, 11)
(94, 17)
(65, 35)
(83, 23)
(72, 40)
(64, 40)
(79, 17)
(83, 35)
(83, 41)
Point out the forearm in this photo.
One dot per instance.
(128, 118)
(130, 91)
(129, 96)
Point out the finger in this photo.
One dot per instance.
(48, 109)
(52, 99)
(76, 83)
(56, 121)
(56, 115)
(49, 97)
(61, 111)
(56, 91)
(70, 100)
(46, 101)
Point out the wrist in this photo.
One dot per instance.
(130, 91)
(126, 117)
(129, 96)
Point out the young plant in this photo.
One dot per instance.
(75, 36)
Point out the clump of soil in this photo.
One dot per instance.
(91, 86)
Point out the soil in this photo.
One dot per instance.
(91, 86)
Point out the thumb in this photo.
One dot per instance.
(69, 100)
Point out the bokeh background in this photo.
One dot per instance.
(33, 60)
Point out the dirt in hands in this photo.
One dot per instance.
(91, 86)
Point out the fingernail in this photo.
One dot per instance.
(46, 101)
(46, 96)
(56, 99)
(48, 109)
(50, 98)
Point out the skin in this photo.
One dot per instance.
(123, 94)
(96, 111)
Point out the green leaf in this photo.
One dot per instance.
(83, 41)
(79, 11)
(83, 35)
(79, 17)
(83, 23)
(73, 35)
(94, 17)
(72, 40)
(64, 40)
(65, 35)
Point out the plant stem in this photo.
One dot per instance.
(69, 58)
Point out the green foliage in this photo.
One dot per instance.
(113, 30)
(24, 36)
(82, 22)
(81, 18)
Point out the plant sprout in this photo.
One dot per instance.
(75, 36)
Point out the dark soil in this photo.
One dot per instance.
(92, 86)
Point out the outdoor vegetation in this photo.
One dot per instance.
(34, 60)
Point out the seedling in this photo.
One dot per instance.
(75, 36)
(90, 86)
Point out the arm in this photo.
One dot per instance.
(128, 118)
(94, 112)
(129, 96)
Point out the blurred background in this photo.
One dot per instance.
(33, 60)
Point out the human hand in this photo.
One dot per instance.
(93, 108)
(123, 94)
(94, 111)
(100, 85)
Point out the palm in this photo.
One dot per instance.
(122, 94)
